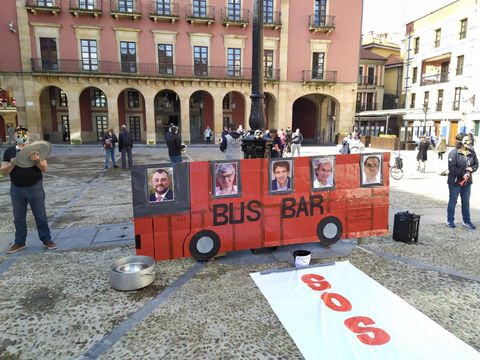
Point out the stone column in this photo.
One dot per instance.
(150, 134)
(185, 118)
(217, 119)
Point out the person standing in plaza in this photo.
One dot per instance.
(10, 134)
(422, 153)
(175, 146)
(441, 146)
(297, 139)
(207, 134)
(26, 188)
(231, 144)
(109, 140)
(125, 144)
(462, 163)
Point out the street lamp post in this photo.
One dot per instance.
(425, 110)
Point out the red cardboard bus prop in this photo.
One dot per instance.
(202, 208)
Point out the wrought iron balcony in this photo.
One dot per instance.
(200, 14)
(434, 79)
(86, 7)
(235, 17)
(129, 9)
(321, 23)
(367, 80)
(102, 68)
(322, 77)
(163, 11)
(52, 6)
(272, 19)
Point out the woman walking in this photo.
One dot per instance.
(109, 140)
(441, 147)
(422, 153)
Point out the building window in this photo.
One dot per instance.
(414, 75)
(318, 65)
(463, 28)
(125, 6)
(456, 99)
(412, 101)
(133, 99)
(426, 98)
(268, 63)
(359, 102)
(63, 98)
(89, 55)
(164, 7)
(460, 65)
(165, 59)
(48, 53)
(226, 102)
(416, 45)
(268, 11)
(45, 3)
(200, 8)
(438, 34)
(370, 105)
(234, 10)
(86, 4)
(371, 76)
(128, 56)
(360, 75)
(234, 62)
(65, 126)
(101, 124)
(439, 100)
(200, 60)
(320, 12)
(99, 99)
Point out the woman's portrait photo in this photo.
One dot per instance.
(160, 183)
(323, 172)
(371, 169)
(225, 179)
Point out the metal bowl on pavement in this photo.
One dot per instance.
(132, 272)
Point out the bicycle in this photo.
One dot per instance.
(396, 170)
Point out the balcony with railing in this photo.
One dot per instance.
(367, 80)
(321, 23)
(272, 20)
(439, 106)
(145, 70)
(366, 107)
(320, 77)
(44, 6)
(235, 17)
(124, 9)
(85, 7)
(200, 14)
(434, 79)
(163, 11)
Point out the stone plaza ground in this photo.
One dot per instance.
(59, 304)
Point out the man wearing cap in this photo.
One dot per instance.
(26, 188)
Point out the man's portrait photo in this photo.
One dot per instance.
(226, 183)
(323, 172)
(371, 169)
(281, 175)
(161, 184)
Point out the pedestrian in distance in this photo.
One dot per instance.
(277, 144)
(26, 188)
(174, 145)
(297, 139)
(109, 140)
(65, 135)
(345, 149)
(207, 134)
(125, 144)
(10, 134)
(462, 163)
(423, 147)
(441, 146)
(231, 144)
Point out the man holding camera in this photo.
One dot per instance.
(462, 163)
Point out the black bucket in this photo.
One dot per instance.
(302, 258)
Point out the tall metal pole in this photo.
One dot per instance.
(257, 115)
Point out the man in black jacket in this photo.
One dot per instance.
(125, 144)
(462, 163)
(175, 146)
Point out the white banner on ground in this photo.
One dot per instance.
(338, 312)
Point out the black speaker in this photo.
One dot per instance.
(405, 227)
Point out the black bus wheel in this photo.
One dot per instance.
(329, 230)
(204, 245)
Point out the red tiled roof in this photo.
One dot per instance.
(394, 60)
(370, 55)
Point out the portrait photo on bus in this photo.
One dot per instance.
(323, 173)
(226, 179)
(160, 184)
(281, 176)
(371, 169)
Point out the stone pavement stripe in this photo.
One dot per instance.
(424, 266)
(138, 316)
(75, 198)
(7, 263)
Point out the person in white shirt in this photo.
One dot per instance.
(371, 170)
(323, 173)
(225, 175)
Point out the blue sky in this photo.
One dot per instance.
(391, 15)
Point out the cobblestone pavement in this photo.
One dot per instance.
(59, 305)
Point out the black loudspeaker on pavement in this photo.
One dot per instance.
(405, 227)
